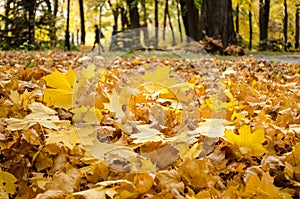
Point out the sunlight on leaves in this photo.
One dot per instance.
(248, 143)
(60, 91)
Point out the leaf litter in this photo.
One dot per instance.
(43, 155)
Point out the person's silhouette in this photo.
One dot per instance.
(97, 38)
(114, 40)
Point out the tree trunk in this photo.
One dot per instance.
(178, 20)
(217, 21)
(165, 19)
(82, 26)
(250, 30)
(172, 31)
(285, 25)
(67, 34)
(115, 11)
(264, 11)
(192, 14)
(145, 25)
(133, 14)
(156, 22)
(237, 25)
(297, 28)
(30, 6)
(134, 22)
(184, 16)
(124, 19)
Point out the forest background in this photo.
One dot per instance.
(262, 24)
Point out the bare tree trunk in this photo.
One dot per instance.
(250, 30)
(178, 20)
(134, 21)
(67, 34)
(237, 25)
(156, 22)
(124, 18)
(184, 16)
(30, 7)
(82, 26)
(54, 29)
(297, 28)
(145, 25)
(115, 13)
(264, 11)
(165, 19)
(285, 25)
(192, 15)
(217, 21)
(172, 31)
(133, 14)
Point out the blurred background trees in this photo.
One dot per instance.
(259, 24)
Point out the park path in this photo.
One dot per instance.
(292, 59)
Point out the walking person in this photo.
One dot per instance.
(97, 38)
(114, 39)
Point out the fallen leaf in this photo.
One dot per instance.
(60, 92)
(7, 182)
(248, 143)
(40, 114)
(69, 138)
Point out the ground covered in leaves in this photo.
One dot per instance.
(171, 121)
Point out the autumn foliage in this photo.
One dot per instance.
(196, 144)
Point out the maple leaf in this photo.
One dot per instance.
(248, 143)
(40, 114)
(196, 173)
(160, 75)
(20, 100)
(50, 194)
(146, 134)
(60, 92)
(170, 179)
(65, 181)
(7, 182)
(261, 188)
(69, 138)
(143, 182)
(98, 192)
(96, 172)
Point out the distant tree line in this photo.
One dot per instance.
(21, 19)
(36, 21)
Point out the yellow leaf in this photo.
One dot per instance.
(170, 179)
(61, 92)
(93, 116)
(65, 181)
(160, 76)
(3, 194)
(89, 72)
(196, 173)
(7, 181)
(146, 134)
(60, 98)
(98, 192)
(71, 76)
(40, 114)
(249, 143)
(263, 188)
(21, 100)
(50, 194)
(143, 182)
(95, 173)
(69, 138)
